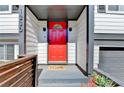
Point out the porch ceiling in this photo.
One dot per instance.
(56, 11)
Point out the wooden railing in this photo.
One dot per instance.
(19, 73)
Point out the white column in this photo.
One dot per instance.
(96, 56)
(16, 51)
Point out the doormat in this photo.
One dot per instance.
(56, 67)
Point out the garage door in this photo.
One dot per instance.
(111, 60)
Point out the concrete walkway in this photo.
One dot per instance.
(68, 76)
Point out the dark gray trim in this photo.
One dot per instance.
(62, 19)
(65, 19)
(9, 36)
(106, 36)
(56, 20)
(1, 43)
(76, 53)
(72, 19)
(108, 40)
(112, 48)
(101, 9)
(109, 43)
(42, 20)
(82, 70)
(79, 14)
(90, 43)
(48, 18)
(34, 13)
(22, 29)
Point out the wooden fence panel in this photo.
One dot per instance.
(19, 73)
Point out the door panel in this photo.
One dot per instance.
(57, 53)
(57, 48)
(57, 33)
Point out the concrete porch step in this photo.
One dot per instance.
(70, 76)
(62, 85)
(65, 81)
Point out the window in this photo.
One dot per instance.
(115, 9)
(101, 8)
(1, 52)
(7, 52)
(10, 52)
(5, 9)
(15, 8)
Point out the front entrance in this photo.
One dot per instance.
(57, 43)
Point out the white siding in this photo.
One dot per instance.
(81, 40)
(42, 53)
(42, 35)
(32, 29)
(108, 23)
(71, 53)
(16, 51)
(42, 43)
(9, 23)
(96, 56)
(36, 40)
(73, 34)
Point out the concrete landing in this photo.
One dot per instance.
(68, 76)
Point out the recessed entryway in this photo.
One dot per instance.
(57, 42)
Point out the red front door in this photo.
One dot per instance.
(57, 42)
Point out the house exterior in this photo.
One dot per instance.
(109, 40)
(14, 22)
(108, 37)
(8, 32)
(42, 35)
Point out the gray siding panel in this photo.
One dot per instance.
(109, 37)
(112, 62)
(109, 43)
